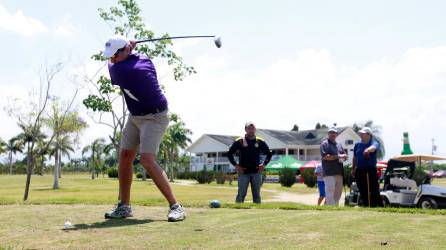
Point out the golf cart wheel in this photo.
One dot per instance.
(427, 203)
(386, 202)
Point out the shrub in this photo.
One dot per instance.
(112, 173)
(287, 177)
(419, 176)
(185, 175)
(309, 177)
(220, 178)
(204, 176)
(139, 175)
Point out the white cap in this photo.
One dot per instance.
(113, 44)
(366, 130)
(333, 130)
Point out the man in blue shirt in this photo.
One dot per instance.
(364, 168)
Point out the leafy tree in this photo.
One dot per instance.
(96, 149)
(13, 147)
(295, 128)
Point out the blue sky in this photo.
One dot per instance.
(285, 61)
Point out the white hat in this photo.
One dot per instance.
(113, 44)
(333, 129)
(366, 130)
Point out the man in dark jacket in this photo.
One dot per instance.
(249, 168)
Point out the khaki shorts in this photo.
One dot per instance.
(145, 131)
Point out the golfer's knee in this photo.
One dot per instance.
(148, 160)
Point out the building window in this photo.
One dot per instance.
(301, 152)
(291, 151)
(348, 142)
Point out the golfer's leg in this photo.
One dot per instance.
(374, 189)
(243, 182)
(126, 158)
(158, 176)
(129, 145)
(338, 189)
(256, 183)
(361, 181)
(329, 190)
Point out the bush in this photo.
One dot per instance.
(419, 176)
(287, 177)
(139, 175)
(185, 175)
(220, 178)
(309, 177)
(204, 176)
(112, 173)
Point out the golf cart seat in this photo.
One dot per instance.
(403, 183)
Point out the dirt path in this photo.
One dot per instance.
(278, 196)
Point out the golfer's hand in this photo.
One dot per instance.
(239, 168)
(132, 44)
(343, 156)
(366, 154)
(261, 168)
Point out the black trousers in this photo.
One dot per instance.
(361, 181)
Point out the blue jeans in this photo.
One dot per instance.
(243, 183)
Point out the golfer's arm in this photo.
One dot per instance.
(231, 153)
(329, 157)
(353, 163)
(371, 149)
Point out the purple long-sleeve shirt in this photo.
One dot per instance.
(136, 76)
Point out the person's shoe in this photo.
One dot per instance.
(176, 213)
(119, 212)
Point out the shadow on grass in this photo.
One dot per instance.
(111, 223)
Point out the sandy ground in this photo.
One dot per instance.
(279, 196)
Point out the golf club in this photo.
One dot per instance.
(217, 39)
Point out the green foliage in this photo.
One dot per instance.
(287, 177)
(112, 173)
(205, 176)
(186, 175)
(419, 175)
(309, 178)
(220, 178)
(139, 175)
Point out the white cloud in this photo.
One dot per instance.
(19, 23)
(400, 94)
(65, 27)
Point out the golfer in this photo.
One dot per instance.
(249, 168)
(364, 168)
(135, 74)
(333, 156)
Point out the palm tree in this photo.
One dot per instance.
(62, 146)
(176, 139)
(376, 129)
(13, 146)
(2, 146)
(96, 149)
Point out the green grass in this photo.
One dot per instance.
(40, 227)
(75, 189)
(236, 226)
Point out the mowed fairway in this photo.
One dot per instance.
(38, 223)
(76, 189)
(40, 227)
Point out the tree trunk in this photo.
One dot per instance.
(93, 166)
(42, 166)
(56, 169)
(10, 163)
(60, 165)
(143, 172)
(28, 173)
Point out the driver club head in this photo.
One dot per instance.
(217, 41)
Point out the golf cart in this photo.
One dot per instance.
(400, 189)
(353, 197)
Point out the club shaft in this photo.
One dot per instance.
(169, 38)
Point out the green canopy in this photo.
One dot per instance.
(284, 162)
